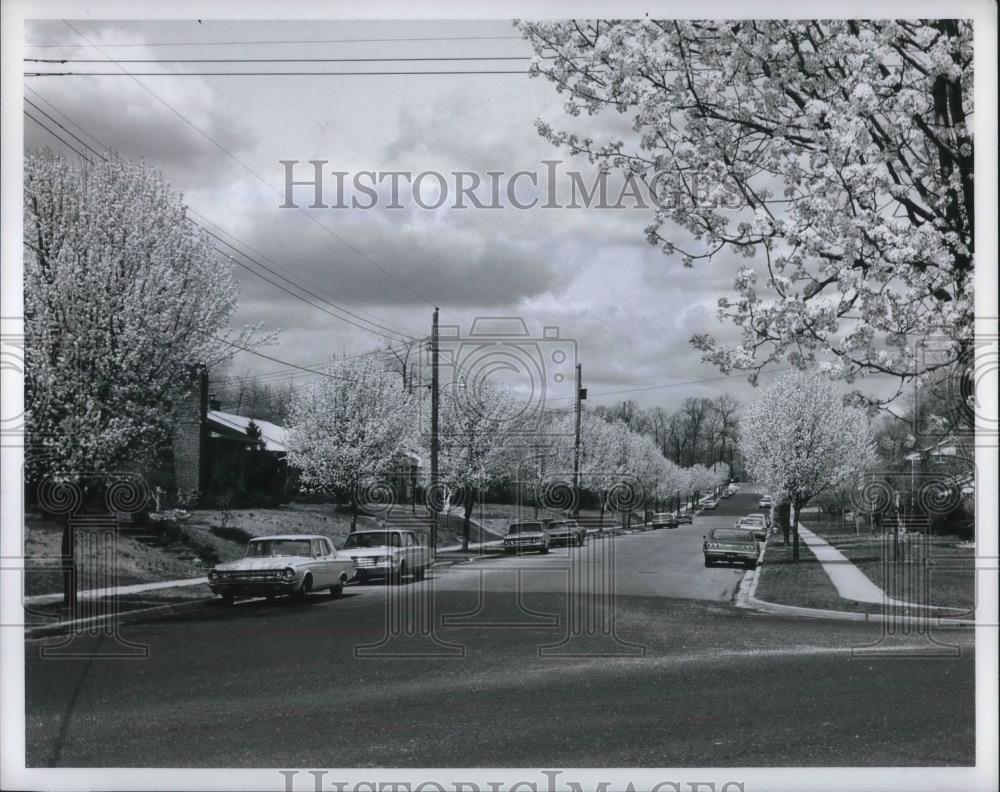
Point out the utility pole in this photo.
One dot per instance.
(581, 394)
(435, 395)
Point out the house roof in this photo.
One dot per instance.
(275, 437)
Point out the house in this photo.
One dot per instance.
(218, 452)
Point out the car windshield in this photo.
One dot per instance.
(664, 514)
(562, 524)
(731, 535)
(754, 518)
(372, 539)
(524, 527)
(267, 548)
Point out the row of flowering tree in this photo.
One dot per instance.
(348, 429)
(801, 440)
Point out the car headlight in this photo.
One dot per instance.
(213, 574)
(288, 574)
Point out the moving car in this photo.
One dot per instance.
(756, 526)
(526, 536)
(710, 504)
(288, 564)
(664, 520)
(567, 532)
(388, 553)
(684, 518)
(730, 546)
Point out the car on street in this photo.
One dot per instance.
(388, 553)
(664, 520)
(524, 537)
(710, 504)
(765, 502)
(756, 526)
(684, 518)
(730, 546)
(294, 564)
(566, 532)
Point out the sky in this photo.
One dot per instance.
(622, 308)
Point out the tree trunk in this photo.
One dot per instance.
(354, 512)
(782, 514)
(69, 564)
(795, 533)
(466, 524)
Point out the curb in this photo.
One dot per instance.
(44, 630)
(745, 598)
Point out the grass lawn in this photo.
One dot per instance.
(936, 570)
(802, 582)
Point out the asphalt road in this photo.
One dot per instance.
(627, 652)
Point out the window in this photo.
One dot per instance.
(411, 540)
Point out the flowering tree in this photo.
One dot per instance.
(838, 154)
(800, 440)
(345, 431)
(120, 297)
(477, 427)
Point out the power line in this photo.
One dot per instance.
(62, 140)
(356, 312)
(248, 169)
(282, 362)
(287, 60)
(293, 41)
(273, 73)
(233, 247)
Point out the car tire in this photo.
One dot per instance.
(397, 576)
(544, 550)
(304, 589)
(709, 563)
(337, 589)
(752, 565)
(228, 599)
(419, 573)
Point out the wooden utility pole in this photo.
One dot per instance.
(580, 395)
(435, 396)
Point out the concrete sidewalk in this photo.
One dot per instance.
(138, 588)
(851, 583)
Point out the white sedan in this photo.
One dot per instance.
(293, 564)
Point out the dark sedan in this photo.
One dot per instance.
(731, 546)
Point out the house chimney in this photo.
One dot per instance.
(190, 415)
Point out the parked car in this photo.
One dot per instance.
(388, 553)
(684, 518)
(288, 564)
(664, 520)
(765, 516)
(765, 502)
(710, 504)
(526, 536)
(730, 546)
(566, 532)
(756, 526)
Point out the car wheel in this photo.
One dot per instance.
(304, 589)
(709, 563)
(418, 574)
(397, 578)
(228, 599)
(544, 550)
(337, 589)
(752, 565)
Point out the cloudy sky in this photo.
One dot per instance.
(219, 139)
